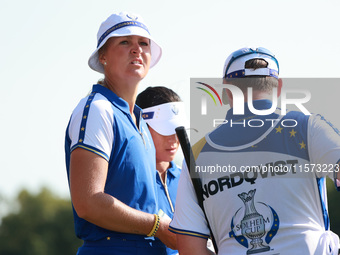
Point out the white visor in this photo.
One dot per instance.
(165, 118)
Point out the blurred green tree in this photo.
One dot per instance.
(43, 225)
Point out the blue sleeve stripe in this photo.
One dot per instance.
(188, 233)
(80, 143)
(321, 183)
(85, 117)
(92, 149)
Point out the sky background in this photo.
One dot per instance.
(45, 46)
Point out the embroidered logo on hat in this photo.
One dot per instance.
(175, 109)
(133, 17)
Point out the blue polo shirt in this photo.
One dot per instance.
(167, 193)
(101, 123)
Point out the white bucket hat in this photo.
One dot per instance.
(123, 24)
(165, 118)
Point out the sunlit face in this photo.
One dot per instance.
(126, 57)
(166, 146)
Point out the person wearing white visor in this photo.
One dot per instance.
(110, 156)
(260, 192)
(164, 111)
(165, 118)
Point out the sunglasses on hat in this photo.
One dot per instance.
(246, 51)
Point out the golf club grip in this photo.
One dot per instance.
(185, 145)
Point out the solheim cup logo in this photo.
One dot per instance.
(253, 223)
(175, 109)
(252, 226)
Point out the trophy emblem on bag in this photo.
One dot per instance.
(253, 225)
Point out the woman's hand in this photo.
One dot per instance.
(163, 233)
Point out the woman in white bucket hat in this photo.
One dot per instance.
(110, 156)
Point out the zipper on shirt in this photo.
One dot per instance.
(141, 134)
(166, 189)
(138, 128)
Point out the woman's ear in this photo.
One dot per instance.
(102, 59)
